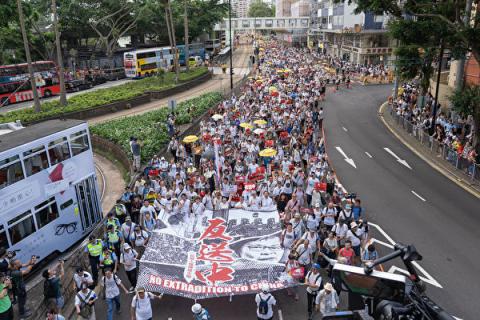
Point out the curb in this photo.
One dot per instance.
(458, 180)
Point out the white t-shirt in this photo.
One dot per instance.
(111, 286)
(128, 260)
(143, 307)
(313, 279)
(271, 302)
(86, 278)
(355, 239)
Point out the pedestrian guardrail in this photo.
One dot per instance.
(437, 148)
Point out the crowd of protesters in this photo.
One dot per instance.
(453, 131)
(263, 149)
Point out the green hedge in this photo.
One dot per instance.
(150, 128)
(101, 97)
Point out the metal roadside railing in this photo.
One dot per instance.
(437, 148)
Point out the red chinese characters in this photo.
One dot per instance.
(217, 253)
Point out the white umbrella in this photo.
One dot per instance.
(217, 117)
(259, 131)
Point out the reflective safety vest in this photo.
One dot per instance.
(95, 250)
(107, 259)
(113, 222)
(113, 237)
(119, 210)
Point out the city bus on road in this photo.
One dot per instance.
(194, 50)
(147, 62)
(15, 82)
(212, 46)
(49, 198)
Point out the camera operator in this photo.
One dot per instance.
(19, 290)
(52, 285)
(80, 277)
(4, 260)
(6, 309)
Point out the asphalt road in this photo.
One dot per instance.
(29, 104)
(417, 205)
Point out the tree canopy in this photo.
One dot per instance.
(258, 8)
(100, 22)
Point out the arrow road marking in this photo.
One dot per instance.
(368, 155)
(426, 276)
(398, 158)
(418, 196)
(347, 159)
(344, 129)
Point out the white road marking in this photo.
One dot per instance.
(419, 196)
(347, 159)
(388, 245)
(398, 158)
(280, 314)
(426, 276)
(368, 155)
(344, 129)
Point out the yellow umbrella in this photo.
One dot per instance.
(269, 152)
(259, 81)
(272, 89)
(190, 139)
(260, 122)
(280, 71)
(246, 125)
(262, 49)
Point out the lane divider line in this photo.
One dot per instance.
(419, 196)
(280, 314)
(368, 155)
(345, 129)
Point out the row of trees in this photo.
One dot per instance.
(424, 29)
(258, 8)
(49, 27)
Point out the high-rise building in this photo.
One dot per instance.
(283, 8)
(240, 8)
(300, 8)
(360, 38)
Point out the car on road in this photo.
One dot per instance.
(114, 74)
(78, 85)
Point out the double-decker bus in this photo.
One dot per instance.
(15, 81)
(194, 49)
(147, 62)
(49, 197)
(212, 46)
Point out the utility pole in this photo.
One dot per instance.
(230, 40)
(461, 62)
(185, 26)
(172, 30)
(61, 71)
(439, 72)
(36, 100)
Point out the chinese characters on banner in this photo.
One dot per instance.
(214, 249)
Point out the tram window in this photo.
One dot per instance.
(47, 214)
(20, 230)
(79, 142)
(11, 171)
(3, 238)
(58, 151)
(35, 160)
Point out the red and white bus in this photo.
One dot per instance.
(15, 83)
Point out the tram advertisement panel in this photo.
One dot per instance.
(220, 253)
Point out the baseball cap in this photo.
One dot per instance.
(316, 266)
(265, 287)
(126, 246)
(353, 225)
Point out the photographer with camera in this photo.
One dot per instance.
(52, 286)
(18, 283)
(6, 309)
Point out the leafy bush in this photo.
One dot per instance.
(100, 97)
(150, 128)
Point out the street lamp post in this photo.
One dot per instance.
(437, 88)
(230, 40)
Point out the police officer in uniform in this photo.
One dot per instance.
(94, 250)
(113, 239)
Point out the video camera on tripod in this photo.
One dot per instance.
(385, 295)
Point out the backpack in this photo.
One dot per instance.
(263, 306)
(86, 310)
(48, 290)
